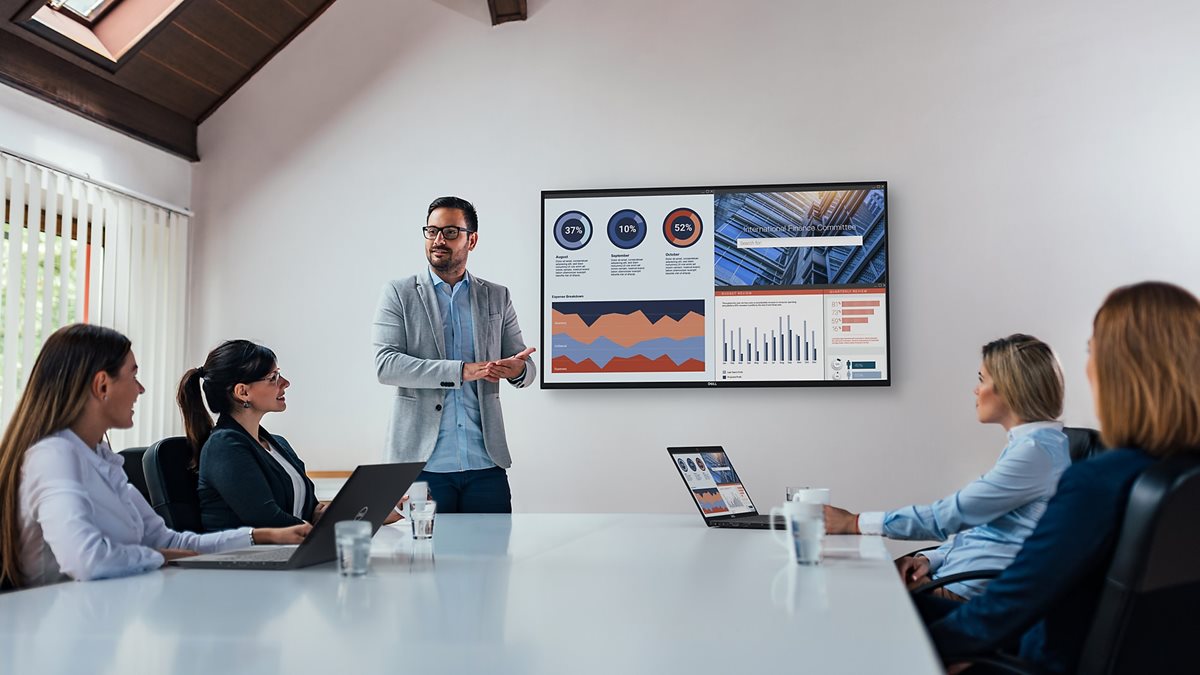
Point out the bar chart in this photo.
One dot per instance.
(769, 335)
(782, 344)
(847, 315)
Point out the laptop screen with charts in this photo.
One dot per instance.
(716, 488)
(369, 494)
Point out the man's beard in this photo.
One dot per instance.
(446, 263)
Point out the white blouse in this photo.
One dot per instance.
(81, 519)
(299, 490)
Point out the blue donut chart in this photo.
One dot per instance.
(573, 230)
(626, 229)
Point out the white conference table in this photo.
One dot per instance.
(525, 594)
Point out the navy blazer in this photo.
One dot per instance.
(1048, 595)
(241, 485)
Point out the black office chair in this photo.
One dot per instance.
(1145, 620)
(1083, 442)
(134, 471)
(172, 485)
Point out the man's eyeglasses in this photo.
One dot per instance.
(449, 233)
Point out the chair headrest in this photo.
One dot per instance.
(1083, 442)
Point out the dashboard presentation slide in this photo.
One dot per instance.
(712, 287)
(714, 484)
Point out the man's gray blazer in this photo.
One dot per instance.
(410, 354)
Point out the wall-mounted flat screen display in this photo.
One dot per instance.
(770, 285)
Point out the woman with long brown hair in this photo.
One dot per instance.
(67, 509)
(1144, 368)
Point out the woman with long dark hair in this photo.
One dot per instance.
(248, 476)
(67, 509)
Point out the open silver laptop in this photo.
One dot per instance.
(369, 494)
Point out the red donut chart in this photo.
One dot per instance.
(682, 227)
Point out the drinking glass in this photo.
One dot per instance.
(353, 547)
(422, 515)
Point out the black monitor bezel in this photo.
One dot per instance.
(715, 384)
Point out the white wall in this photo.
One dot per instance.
(42, 132)
(1037, 156)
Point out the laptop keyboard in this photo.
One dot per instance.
(281, 554)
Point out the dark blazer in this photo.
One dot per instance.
(241, 485)
(1048, 594)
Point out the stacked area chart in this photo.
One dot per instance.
(628, 336)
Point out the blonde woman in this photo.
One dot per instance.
(1144, 368)
(1021, 389)
(67, 509)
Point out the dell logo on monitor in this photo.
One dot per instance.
(361, 514)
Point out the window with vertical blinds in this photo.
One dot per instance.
(73, 252)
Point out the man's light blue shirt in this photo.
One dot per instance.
(460, 438)
(992, 515)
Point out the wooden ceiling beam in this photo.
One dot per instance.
(58, 81)
(11, 9)
(504, 11)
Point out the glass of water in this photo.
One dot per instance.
(422, 514)
(807, 532)
(353, 547)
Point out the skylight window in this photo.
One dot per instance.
(104, 32)
(88, 11)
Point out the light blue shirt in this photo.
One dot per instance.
(992, 515)
(460, 438)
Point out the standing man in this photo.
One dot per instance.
(445, 339)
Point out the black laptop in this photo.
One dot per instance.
(369, 494)
(716, 488)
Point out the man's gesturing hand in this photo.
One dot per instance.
(510, 367)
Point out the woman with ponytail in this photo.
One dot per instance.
(67, 509)
(248, 476)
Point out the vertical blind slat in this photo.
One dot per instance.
(48, 256)
(66, 244)
(163, 392)
(177, 275)
(12, 281)
(30, 218)
(82, 251)
(96, 251)
(9, 181)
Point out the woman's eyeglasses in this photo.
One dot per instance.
(273, 378)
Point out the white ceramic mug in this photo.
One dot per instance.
(803, 531)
